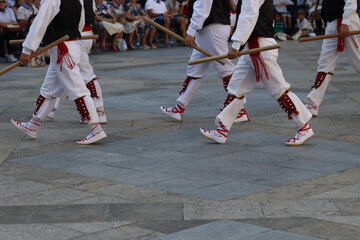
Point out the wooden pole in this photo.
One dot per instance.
(34, 54)
(334, 35)
(181, 39)
(20, 41)
(255, 50)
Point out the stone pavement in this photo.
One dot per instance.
(155, 178)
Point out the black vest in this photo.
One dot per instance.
(332, 9)
(264, 25)
(66, 22)
(220, 12)
(89, 12)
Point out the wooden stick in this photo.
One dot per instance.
(181, 39)
(34, 54)
(255, 50)
(334, 35)
(20, 41)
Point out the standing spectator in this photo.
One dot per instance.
(135, 14)
(280, 7)
(108, 25)
(178, 21)
(158, 12)
(17, 4)
(7, 17)
(23, 13)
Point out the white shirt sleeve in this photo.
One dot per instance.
(202, 9)
(82, 17)
(49, 9)
(246, 22)
(349, 11)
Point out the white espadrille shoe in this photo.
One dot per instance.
(218, 135)
(302, 135)
(25, 128)
(313, 109)
(242, 116)
(174, 112)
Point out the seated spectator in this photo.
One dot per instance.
(280, 7)
(108, 25)
(37, 4)
(10, 3)
(17, 4)
(8, 28)
(178, 21)
(22, 15)
(157, 11)
(279, 28)
(304, 26)
(135, 13)
(117, 9)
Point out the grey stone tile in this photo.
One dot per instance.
(122, 233)
(227, 191)
(13, 215)
(36, 232)
(144, 212)
(233, 209)
(143, 178)
(19, 188)
(300, 208)
(178, 185)
(348, 206)
(91, 227)
(69, 213)
(97, 171)
(7, 179)
(50, 197)
(255, 157)
(279, 235)
(50, 161)
(225, 230)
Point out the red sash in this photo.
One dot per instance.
(257, 60)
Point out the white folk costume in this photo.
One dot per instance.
(86, 69)
(210, 24)
(255, 29)
(55, 19)
(335, 12)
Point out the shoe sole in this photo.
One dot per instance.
(295, 145)
(17, 126)
(88, 143)
(211, 138)
(169, 114)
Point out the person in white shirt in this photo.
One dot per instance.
(255, 29)
(209, 29)
(63, 74)
(23, 13)
(157, 11)
(304, 26)
(341, 17)
(7, 24)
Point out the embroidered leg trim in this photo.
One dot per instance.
(40, 100)
(82, 109)
(319, 79)
(186, 84)
(287, 105)
(226, 81)
(92, 88)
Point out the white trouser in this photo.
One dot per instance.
(65, 80)
(85, 67)
(213, 39)
(243, 82)
(60, 79)
(329, 56)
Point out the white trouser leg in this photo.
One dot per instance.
(214, 39)
(87, 110)
(316, 95)
(190, 91)
(86, 68)
(228, 115)
(59, 101)
(303, 115)
(99, 101)
(44, 109)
